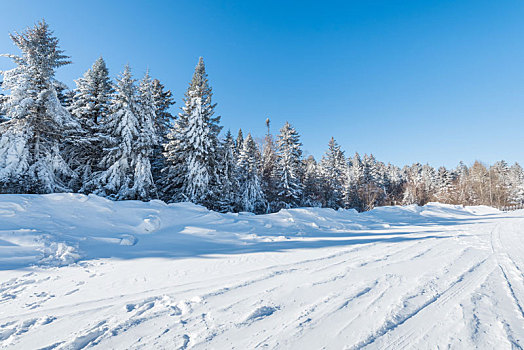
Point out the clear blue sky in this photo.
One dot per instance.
(428, 81)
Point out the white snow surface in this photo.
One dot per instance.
(81, 271)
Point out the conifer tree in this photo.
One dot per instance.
(143, 185)
(126, 173)
(289, 171)
(240, 141)
(516, 174)
(90, 104)
(313, 188)
(163, 122)
(191, 170)
(353, 191)
(163, 100)
(38, 131)
(332, 165)
(91, 99)
(226, 199)
(269, 159)
(251, 196)
(372, 186)
(444, 187)
(348, 190)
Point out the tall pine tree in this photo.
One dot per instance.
(39, 129)
(91, 98)
(226, 198)
(126, 173)
(90, 104)
(289, 168)
(268, 165)
(163, 122)
(191, 171)
(333, 168)
(251, 196)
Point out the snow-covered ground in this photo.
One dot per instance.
(81, 271)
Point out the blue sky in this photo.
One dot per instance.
(428, 81)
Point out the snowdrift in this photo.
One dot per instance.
(60, 229)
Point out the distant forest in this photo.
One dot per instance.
(118, 139)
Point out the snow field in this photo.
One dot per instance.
(81, 271)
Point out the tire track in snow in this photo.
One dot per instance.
(515, 290)
(401, 330)
(505, 264)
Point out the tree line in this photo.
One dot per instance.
(119, 140)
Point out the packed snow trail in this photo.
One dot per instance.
(83, 272)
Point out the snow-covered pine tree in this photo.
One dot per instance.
(269, 159)
(353, 184)
(289, 168)
(92, 95)
(516, 175)
(191, 170)
(312, 196)
(333, 168)
(499, 183)
(126, 173)
(226, 198)
(163, 100)
(251, 196)
(90, 104)
(429, 176)
(372, 185)
(347, 185)
(395, 183)
(143, 184)
(239, 142)
(33, 140)
(163, 122)
(461, 194)
(444, 185)
(413, 184)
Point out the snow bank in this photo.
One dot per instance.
(60, 229)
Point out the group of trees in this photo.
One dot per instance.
(119, 140)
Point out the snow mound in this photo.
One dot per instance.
(60, 229)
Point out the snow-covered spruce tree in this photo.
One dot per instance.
(191, 164)
(90, 104)
(226, 199)
(516, 174)
(143, 184)
(347, 186)
(268, 172)
(354, 179)
(312, 195)
(239, 141)
(395, 184)
(289, 168)
(333, 168)
(126, 173)
(33, 140)
(163, 122)
(413, 185)
(499, 183)
(251, 196)
(163, 100)
(92, 95)
(444, 185)
(372, 185)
